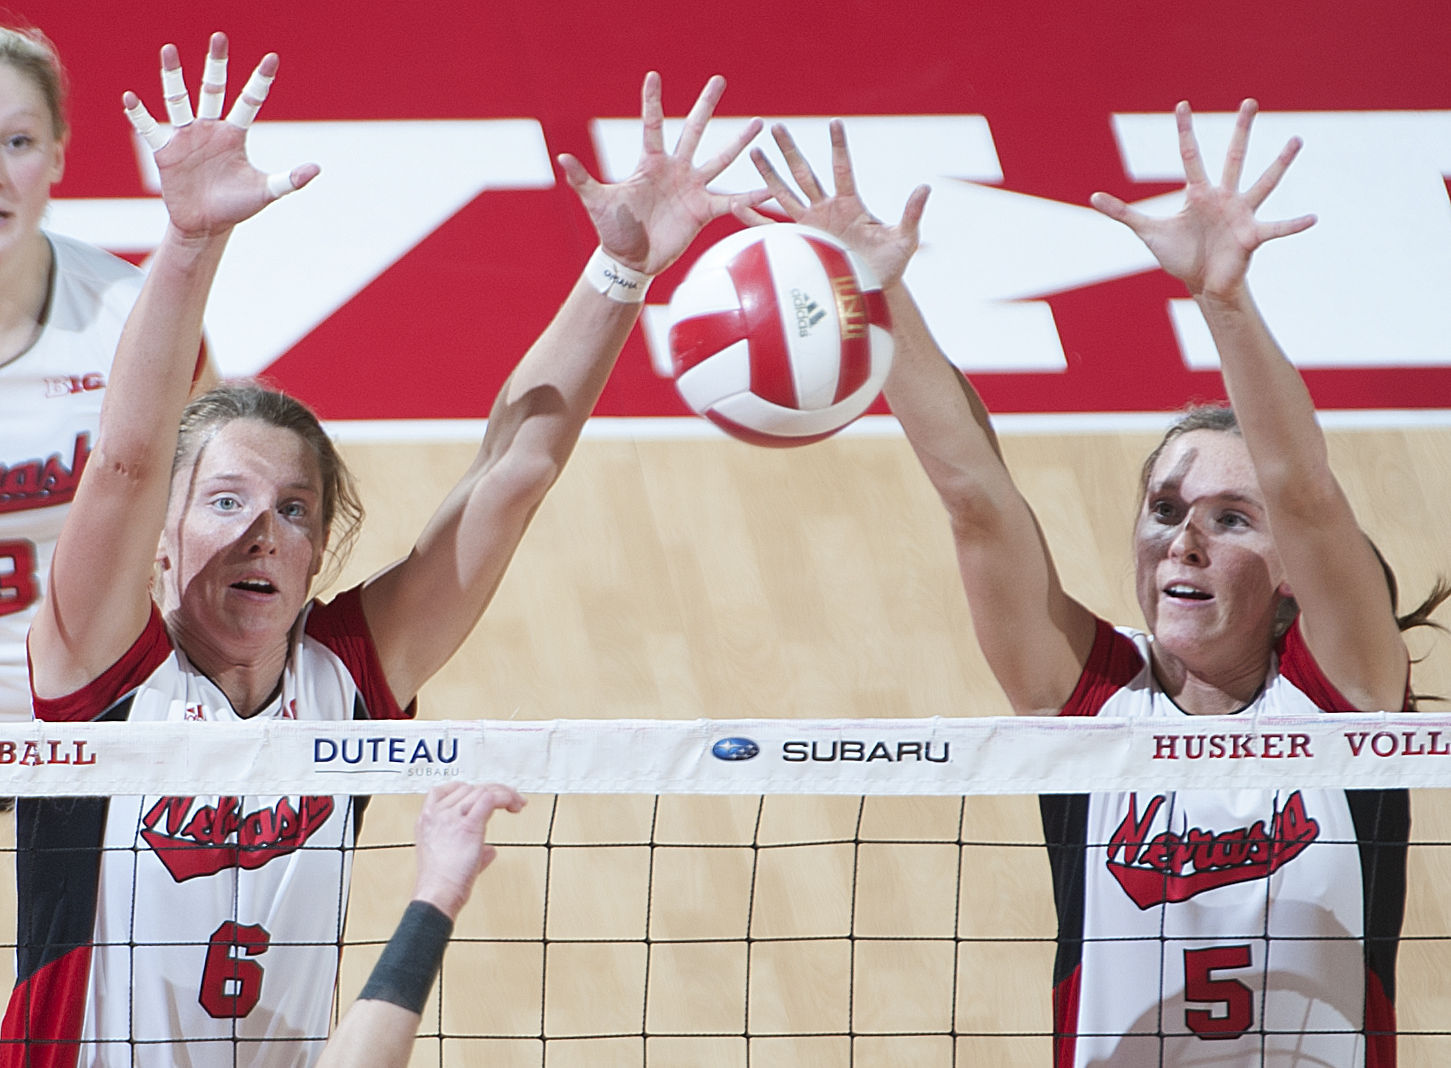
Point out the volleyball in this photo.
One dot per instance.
(779, 335)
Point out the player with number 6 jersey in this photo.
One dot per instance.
(207, 931)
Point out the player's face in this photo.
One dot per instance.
(32, 158)
(244, 537)
(1208, 577)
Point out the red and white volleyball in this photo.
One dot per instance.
(779, 335)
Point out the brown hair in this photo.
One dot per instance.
(30, 52)
(1220, 418)
(342, 508)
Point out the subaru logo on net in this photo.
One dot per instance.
(735, 749)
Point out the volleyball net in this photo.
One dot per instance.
(770, 892)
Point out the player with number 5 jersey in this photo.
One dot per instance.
(205, 930)
(1233, 928)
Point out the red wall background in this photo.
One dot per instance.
(434, 334)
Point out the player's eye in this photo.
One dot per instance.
(1164, 510)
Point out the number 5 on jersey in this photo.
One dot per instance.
(1234, 1011)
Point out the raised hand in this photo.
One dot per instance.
(207, 182)
(842, 213)
(1208, 244)
(450, 840)
(646, 221)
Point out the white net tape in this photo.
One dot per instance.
(918, 757)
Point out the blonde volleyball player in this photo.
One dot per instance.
(378, 1030)
(204, 930)
(1259, 927)
(62, 305)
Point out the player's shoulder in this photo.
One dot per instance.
(79, 263)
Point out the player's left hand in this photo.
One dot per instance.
(1208, 244)
(647, 220)
(887, 249)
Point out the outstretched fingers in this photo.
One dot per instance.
(155, 135)
(254, 93)
(777, 186)
(214, 80)
(1266, 183)
(1285, 227)
(711, 169)
(1116, 209)
(699, 117)
(1189, 145)
(284, 182)
(207, 182)
(578, 176)
(796, 162)
(652, 114)
(842, 175)
(173, 88)
(911, 223)
(1238, 145)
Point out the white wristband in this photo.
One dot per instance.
(615, 280)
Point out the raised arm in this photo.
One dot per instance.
(99, 591)
(1034, 636)
(421, 609)
(1346, 613)
(378, 1031)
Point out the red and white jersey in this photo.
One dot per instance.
(191, 930)
(1235, 927)
(50, 404)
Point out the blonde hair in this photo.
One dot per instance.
(30, 52)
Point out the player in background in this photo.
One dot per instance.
(378, 1030)
(1262, 596)
(62, 305)
(207, 929)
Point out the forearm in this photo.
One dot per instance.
(1271, 402)
(372, 1034)
(379, 1029)
(555, 386)
(942, 415)
(464, 549)
(156, 357)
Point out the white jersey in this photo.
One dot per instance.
(210, 930)
(1228, 928)
(50, 404)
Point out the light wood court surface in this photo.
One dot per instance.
(701, 577)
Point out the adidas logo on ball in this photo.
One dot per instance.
(808, 313)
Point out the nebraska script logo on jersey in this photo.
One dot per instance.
(42, 483)
(1173, 867)
(216, 837)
